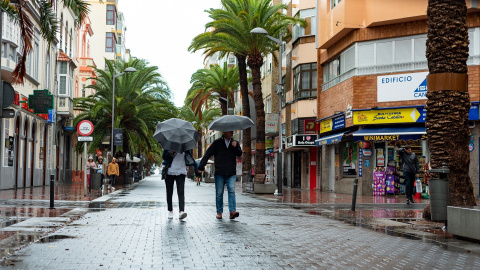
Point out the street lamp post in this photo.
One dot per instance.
(278, 90)
(218, 95)
(129, 69)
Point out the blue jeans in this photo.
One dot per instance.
(220, 181)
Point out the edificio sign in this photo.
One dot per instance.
(399, 87)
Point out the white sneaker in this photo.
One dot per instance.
(170, 215)
(182, 215)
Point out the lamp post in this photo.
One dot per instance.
(278, 90)
(129, 69)
(222, 98)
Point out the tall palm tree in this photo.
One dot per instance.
(236, 21)
(217, 42)
(447, 109)
(18, 11)
(205, 82)
(140, 103)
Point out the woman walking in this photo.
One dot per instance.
(90, 165)
(102, 169)
(177, 170)
(113, 172)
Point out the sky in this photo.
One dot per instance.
(160, 31)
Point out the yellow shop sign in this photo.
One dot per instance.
(401, 115)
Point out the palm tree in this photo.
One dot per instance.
(216, 79)
(234, 23)
(200, 121)
(223, 44)
(18, 11)
(447, 109)
(141, 102)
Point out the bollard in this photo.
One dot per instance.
(354, 196)
(52, 191)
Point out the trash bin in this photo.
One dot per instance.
(439, 194)
(95, 180)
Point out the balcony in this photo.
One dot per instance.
(65, 106)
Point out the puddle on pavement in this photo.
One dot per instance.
(407, 224)
(54, 238)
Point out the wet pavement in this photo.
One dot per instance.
(129, 229)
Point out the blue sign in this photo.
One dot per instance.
(367, 163)
(360, 160)
(51, 116)
(338, 122)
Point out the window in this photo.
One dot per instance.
(36, 54)
(268, 104)
(109, 43)
(305, 81)
(334, 3)
(111, 15)
(283, 91)
(63, 72)
(83, 90)
(311, 28)
(47, 70)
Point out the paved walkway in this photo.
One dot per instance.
(130, 230)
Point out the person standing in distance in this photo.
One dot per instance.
(225, 151)
(410, 168)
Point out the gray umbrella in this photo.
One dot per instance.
(231, 123)
(176, 135)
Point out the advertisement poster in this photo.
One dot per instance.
(349, 159)
(380, 157)
(10, 151)
(117, 136)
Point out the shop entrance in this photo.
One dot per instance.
(297, 169)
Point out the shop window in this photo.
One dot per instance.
(334, 3)
(349, 159)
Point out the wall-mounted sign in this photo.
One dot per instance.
(301, 140)
(332, 124)
(399, 87)
(367, 152)
(271, 123)
(309, 126)
(388, 116)
(68, 124)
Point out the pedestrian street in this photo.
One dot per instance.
(132, 231)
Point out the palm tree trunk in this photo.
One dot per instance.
(247, 136)
(255, 63)
(447, 110)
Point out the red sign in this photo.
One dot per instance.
(309, 126)
(85, 128)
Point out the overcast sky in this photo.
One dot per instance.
(160, 31)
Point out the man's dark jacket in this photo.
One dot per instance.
(225, 158)
(409, 161)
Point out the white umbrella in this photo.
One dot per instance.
(134, 160)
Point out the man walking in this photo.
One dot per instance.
(225, 151)
(410, 168)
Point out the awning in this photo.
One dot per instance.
(331, 139)
(390, 134)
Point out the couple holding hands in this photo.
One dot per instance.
(225, 151)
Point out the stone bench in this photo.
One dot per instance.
(464, 221)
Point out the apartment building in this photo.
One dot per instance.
(371, 82)
(30, 152)
(299, 110)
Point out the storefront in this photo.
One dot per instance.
(301, 151)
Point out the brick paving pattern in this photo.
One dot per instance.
(132, 231)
